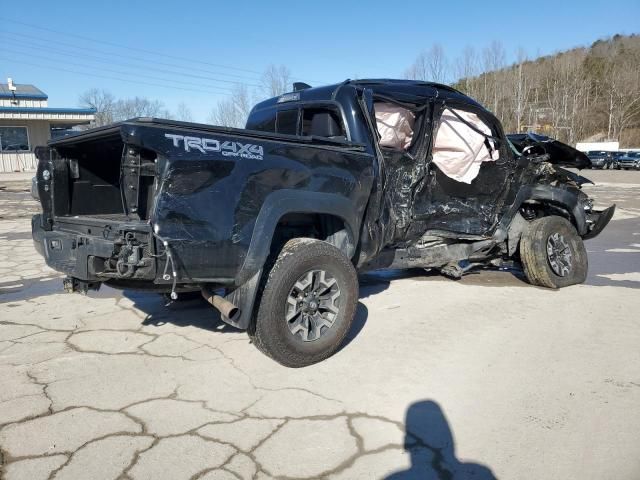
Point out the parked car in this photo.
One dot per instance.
(273, 222)
(600, 159)
(615, 157)
(631, 160)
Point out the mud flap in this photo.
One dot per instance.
(244, 298)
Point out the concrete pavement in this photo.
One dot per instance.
(486, 376)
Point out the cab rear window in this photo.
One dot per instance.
(263, 121)
(318, 121)
(287, 122)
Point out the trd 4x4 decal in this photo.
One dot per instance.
(227, 148)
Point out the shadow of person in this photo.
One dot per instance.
(430, 444)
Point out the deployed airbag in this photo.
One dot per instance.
(395, 125)
(459, 149)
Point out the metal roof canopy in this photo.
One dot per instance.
(73, 111)
(22, 91)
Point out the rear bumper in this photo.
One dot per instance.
(69, 253)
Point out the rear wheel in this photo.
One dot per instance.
(553, 254)
(307, 304)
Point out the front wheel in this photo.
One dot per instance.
(553, 254)
(307, 304)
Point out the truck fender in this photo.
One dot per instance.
(559, 197)
(274, 208)
(283, 202)
(562, 198)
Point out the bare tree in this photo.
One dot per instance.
(418, 69)
(234, 110)
(437, 63)
(466, 67)
(276, 80)
(138, 107)
(183, 113)
(102, 102)
(430, 65)
(623, 84)
(493, 60)
(520, 90)
(225, 114)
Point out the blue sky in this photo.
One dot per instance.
(102, 44)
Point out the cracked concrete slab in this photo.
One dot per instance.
(62, 432)
(219, 475)
(108, 342)
(25, 406)
(242, 465)
(164, 417)
(392, 464)
(293, 403)
(105, 459)
(34, 468)
(220, 385)
(377, 433)
(172, 345)
(179, 458)
(116, 384)
(245, 434)
(25, 353)
(16, 331)
(319, 445)
(108, 381)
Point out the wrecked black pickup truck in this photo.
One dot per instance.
(272, 222)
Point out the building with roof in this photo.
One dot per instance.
(27, 121)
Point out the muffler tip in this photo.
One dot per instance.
(224, 306)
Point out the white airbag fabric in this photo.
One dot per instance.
(459, 150)
(395, 125)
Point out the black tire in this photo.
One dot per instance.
(550, 269)
(273, 334)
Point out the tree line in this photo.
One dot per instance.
(231, 111)
(109, 109)
(583, 94)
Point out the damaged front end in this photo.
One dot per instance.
(532, 145)
(555, 190)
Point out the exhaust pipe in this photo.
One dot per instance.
(224, 306)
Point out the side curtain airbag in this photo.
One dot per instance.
(459, 150)
(395, 125)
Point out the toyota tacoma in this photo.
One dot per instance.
(272, 222)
